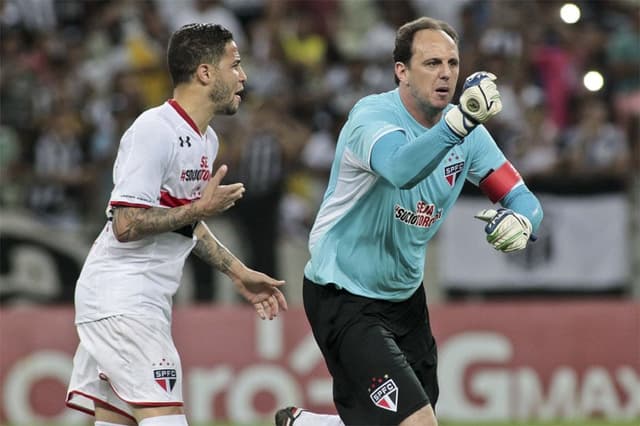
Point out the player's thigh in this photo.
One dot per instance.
(423, 417)
(105, 413)
(87, 390)
(377, 385)
(137, 357)
(141, 412)
(419, 347)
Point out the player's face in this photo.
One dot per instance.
(229, 82)
(432, 73)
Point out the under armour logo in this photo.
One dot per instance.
(186, 140)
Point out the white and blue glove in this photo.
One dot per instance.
(479, 101)
(506, 230)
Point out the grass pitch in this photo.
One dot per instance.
(548, 423)
(441, 423)
(532, 423)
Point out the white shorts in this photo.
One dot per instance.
(123, 361)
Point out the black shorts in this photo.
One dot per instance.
(381, 355)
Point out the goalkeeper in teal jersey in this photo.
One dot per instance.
(401, 161)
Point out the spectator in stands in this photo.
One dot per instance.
(183, 12)
(594, 146)
(623, 58)
(537, 145)
(550, 55)
(61, 171)
(11, 191)
(262, 159)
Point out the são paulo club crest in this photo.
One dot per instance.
(452, 172)
(453, 168)
(385, 395)
(166, 376)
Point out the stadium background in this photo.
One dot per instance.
(550, 333)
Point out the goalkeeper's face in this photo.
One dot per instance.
(432, 72)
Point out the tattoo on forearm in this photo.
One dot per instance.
(132, 223)
(211, 251)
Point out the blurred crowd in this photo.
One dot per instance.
(74, 74)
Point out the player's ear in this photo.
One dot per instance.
(205, 73)
(401, 71)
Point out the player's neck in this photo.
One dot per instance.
(427, 119)
(199, 110)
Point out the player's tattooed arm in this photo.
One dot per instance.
(134, 223)
(257, 288)
(209, 249)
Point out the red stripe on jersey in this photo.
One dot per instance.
(125, 204)
(169, 200)
(184, 115)
(500, 182)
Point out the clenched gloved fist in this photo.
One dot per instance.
(506, 230)
(480, 100)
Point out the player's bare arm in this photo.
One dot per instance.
(134, 223)
(257, 288)
(209, 249)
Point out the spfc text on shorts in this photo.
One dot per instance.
(386, 396)
(166, 378)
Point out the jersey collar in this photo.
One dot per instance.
(184, 115)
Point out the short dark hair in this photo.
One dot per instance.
(405, 34)
(195, 44)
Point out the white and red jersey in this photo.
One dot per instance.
(163, 161)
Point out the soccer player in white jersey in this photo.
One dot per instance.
(127, 370)
(400, 164)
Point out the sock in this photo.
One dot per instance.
(307, 418)
(172, 420)
(97, 423)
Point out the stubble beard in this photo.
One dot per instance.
(429, 110)
(220, 96)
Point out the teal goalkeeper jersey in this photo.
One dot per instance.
(370, 237)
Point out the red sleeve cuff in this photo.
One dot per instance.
(127, 204)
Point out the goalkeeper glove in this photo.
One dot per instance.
(480, 100)
(506, 230)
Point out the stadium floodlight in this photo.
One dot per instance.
(570, 13)
(593, 81)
